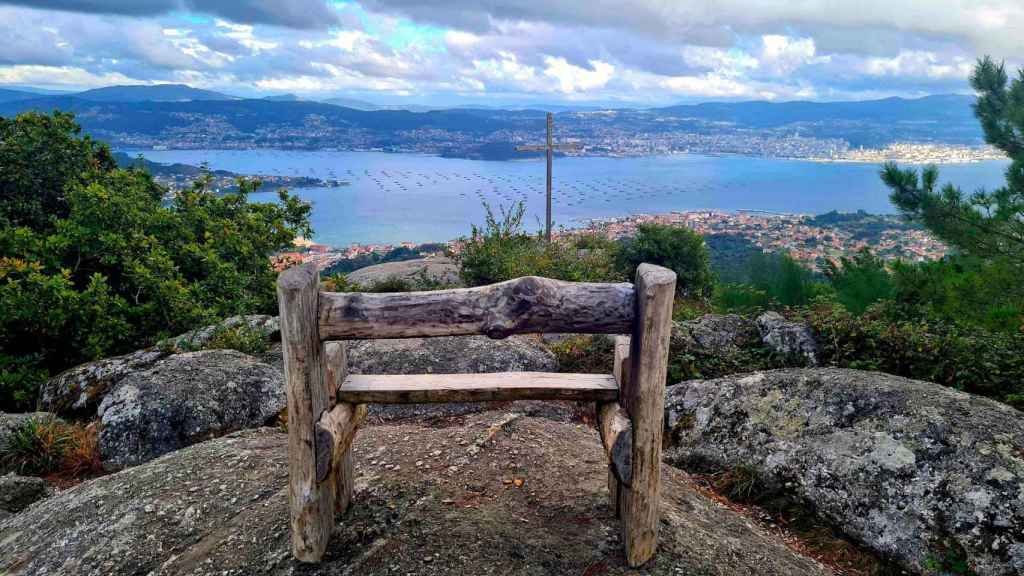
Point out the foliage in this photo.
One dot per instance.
(740, 298)
(243, 338)
(585, 354)
(860, 281)
(964, 357)
(41, 156)
(501, 250)
(773, 280)
(677, 248)
(964, 289)
(984, 224)
(44, 446)
(117, 267)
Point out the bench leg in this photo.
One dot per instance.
(311, 503)
(644, 399)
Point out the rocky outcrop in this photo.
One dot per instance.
(18, 492)
(787, 338)
(199, 339)
(11, 422)
(716, 334)
(435, 269)
(183, 399)
(428, 500)
(916, 471)
(78, 391)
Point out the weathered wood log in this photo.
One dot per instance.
(311, 504)
(620, 370)
(644, 399)
(345, 476)
(334, 434)
(617, 437)
(335, 371)
(521, 306)
(613, 492)
(496, 386)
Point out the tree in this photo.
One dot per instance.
(984, 224)
(860, 281)
(115, 267)
(680, 249)
(41, 156)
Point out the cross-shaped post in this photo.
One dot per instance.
(549, 149)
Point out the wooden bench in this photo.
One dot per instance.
(326, 405)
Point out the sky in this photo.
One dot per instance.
(599, 52)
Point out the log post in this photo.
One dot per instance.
(311, 503)
(620, 370)
(643, 397)
(343, 468)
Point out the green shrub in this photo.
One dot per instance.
(585, 354)
(114, 266)
(243, 338)
(964, 357)
(860, 281)
(47, 446)
(679, 249)
(740, 298)
(501, 250)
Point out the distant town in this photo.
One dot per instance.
(812, 240)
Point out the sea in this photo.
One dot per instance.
(396, 197)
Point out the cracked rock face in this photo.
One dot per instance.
(184, 399)
(909, 468)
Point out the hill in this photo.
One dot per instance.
(7, 95)
(155, 93)
(180, 116)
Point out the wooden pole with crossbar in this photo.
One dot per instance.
(549, 150)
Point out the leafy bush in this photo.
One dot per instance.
(860, 281)
(47, 446)
(585, 354)
(114, 266)
(502, 250)
(984, 293)
(679, 249)
(967, 358)
(243, 338)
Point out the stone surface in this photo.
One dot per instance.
(18, 492)
(788, 338)
(198, 339)
(716, 334)
(438, 269)
(79, 391)
(911, 469)
(10, 422)
(429, 499)
(183, 399)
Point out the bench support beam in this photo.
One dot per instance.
(643, 397)
(311, 503)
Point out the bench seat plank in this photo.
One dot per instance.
(497, 386)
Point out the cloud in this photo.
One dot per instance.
(646, 51)
(304, 14)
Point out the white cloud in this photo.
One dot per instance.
(572, 78)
